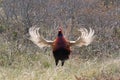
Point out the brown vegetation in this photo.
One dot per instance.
(17, 16)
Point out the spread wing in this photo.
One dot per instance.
(36, 38)
(85, 39)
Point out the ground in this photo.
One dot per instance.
(42, 67)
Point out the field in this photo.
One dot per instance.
(42, 67)
(21, 59)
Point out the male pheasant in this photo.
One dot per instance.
(61, 46)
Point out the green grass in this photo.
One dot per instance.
(42, 67)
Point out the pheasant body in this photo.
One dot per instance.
(61, 50)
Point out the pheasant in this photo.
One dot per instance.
(61, 46)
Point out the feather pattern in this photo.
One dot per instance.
(36, 38)
(85, 39)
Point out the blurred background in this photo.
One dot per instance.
(17, 16)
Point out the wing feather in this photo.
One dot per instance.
(85, 39)
(36, 38)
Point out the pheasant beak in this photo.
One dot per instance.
(60, 29)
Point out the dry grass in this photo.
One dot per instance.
(42, 67)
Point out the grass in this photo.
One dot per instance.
(42, 67)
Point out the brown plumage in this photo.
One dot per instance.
(61, 46)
